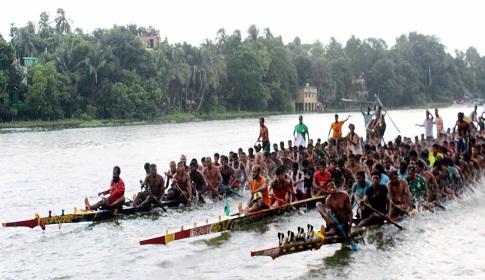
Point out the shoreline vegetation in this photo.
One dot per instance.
(180, 118)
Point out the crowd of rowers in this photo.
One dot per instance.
(389, 178)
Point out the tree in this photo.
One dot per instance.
(62, 22)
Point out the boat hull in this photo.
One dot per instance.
(229, 223)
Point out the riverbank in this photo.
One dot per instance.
(177, 118)
(173, 118)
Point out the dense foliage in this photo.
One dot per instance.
(109, 74)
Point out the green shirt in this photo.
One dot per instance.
(417, 186)
(301, 129)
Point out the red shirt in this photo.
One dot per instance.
(115, 191)
(321, 179)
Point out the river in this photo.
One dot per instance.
(44, 170)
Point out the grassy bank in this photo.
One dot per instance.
(173, 118)
(178, 118)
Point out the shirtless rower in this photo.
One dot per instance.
(258, 185)
(279, 187)
(116, 193)
(183, 185)
(338, 203)
(153, 184)
(263, 135)
(212, 175)
(198, 181)
(399, 194)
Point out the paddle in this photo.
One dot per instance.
(231, 190)
(435, 203)
(383, 216)
(353, 100)
(289, 204)
(158, 202)
(401, 209)
(352, 244)
(180, 189)
(212, 187)
(380, 103)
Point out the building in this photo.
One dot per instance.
(307, 99)
(150, 38)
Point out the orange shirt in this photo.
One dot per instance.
(254, 185)
(337, 129)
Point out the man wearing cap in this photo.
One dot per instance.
(300, 133)
(337, 130)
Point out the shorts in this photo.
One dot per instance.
(266, 146)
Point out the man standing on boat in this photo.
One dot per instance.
(367, 118)
(258, 185)
(337, 131)
(300, 133)
(116, 192)
(428, 125)
(463, 130)
(154, 189)
(338, 204)
(438, 121)
(263, 135)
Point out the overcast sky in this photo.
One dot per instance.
(459, 24)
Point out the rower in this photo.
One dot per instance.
(182, 184)
(212, 175)
(417, 185)
(280, 187)
(378, 198)
(338, 203)
(198, 181)
(258, 184)
(320, 179)
(399, 194)
(359, 188)
(154, 189)
(116, 192)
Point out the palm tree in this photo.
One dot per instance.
(44, 22)
(221, 41)
(62, 23)
(95, 61)
(253, 38)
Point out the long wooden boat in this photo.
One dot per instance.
(230, 222)
(79, 216)
(316, 239)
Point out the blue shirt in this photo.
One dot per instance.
(384, 179)
(356, 188)
(402, 176)
(368, 117)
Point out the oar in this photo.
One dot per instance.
(352, 100)
(352, 244)
(231, 190)
(438, 204)
(289, 204)
(383, 216)
(401, 209)
(180, 189)
(158, 202)
(212, 187)
(389, 116)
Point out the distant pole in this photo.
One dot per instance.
(429, 76)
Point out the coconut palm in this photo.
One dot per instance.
(62, 22)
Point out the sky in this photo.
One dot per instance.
(458, 24)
